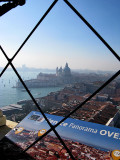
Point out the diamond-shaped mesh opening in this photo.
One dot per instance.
(91, 96)
(29, 133)
(15, 103)
(17, 24)
(101, 108)
(105, 21)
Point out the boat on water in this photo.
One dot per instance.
(13, 86)
(24, 90)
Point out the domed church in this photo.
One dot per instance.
(66, 72)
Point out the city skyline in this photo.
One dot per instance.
(25, 68)
(62, 37)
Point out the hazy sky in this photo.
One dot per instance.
(62, 37)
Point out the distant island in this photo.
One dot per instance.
(62, 77)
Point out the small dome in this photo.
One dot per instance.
(67, 70)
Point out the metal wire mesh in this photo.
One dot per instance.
(53, 128)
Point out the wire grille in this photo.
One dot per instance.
(53, 128)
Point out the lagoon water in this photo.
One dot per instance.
(9, 95)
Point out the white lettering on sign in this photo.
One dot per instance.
(87, 129)
(110, 134)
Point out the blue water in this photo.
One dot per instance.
(9, 95)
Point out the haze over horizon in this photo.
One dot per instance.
(62, 37)
(44, 70)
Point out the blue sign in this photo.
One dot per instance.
(95, 135)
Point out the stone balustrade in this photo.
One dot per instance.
(2, 119)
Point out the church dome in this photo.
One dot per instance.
(66, 70)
